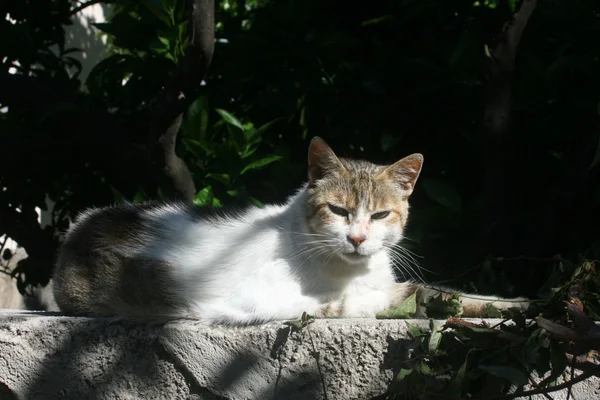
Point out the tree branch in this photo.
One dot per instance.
(496, 125)
(177, 95)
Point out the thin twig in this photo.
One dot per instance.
(536, 385)
(551, 389)
(584, 363)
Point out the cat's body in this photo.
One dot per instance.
(328, 251)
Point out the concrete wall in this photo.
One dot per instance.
(55, 357)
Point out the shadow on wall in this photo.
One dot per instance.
(83, 35)
(100, 359)
(38, 298)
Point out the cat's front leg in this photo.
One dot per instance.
(363, 303)
(334, 309)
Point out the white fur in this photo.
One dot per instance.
(265, 265)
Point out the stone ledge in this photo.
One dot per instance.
(48, 356)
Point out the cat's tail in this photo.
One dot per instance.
(473, 306)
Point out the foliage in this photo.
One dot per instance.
(223, 155)
(377, 82)
(406, 309)
(380, 82)
(461, 359)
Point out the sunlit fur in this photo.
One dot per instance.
(330, 250)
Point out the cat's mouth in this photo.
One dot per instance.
(355, 256)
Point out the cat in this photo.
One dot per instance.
(327, 251)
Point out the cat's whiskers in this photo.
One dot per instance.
(319, 252)
(413, 255)
(333, 253)
(409, 254)
(316, 247)
(310, 234)
(405, 263)
(398, 245)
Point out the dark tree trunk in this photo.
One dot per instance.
(497, 124)
(167, 114)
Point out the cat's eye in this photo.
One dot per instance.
(338, 210)
(380, 215)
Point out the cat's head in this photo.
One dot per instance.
(357, 208)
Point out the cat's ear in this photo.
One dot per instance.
(321, 159)
(406, 171)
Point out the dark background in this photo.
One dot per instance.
(505, 115)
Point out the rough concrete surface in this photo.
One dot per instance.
(46, 356)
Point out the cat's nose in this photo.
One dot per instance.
(356, 240)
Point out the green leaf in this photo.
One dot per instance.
(204, 197)
(443, 192)
(508, 372)
(238, 138)
(256, 202)
(403, 374)
(424, 369)
(415, 331)
(436, 336)
(457, 385)
(117, 195)
(223, 178)
(165, 41)
(265, 127)
(378, 20)
(439, 308)
(230, 118)
(260, 163)
(197, 119)
(406, 309)
(305, 320)
(248, 152)
(558, 359)
(140, 196)
(296, 324)
(155, 6)
(485, 335)
(491, 311)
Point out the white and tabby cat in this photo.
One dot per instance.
(327, 251)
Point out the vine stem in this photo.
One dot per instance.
(551, 389)
(573, 362)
